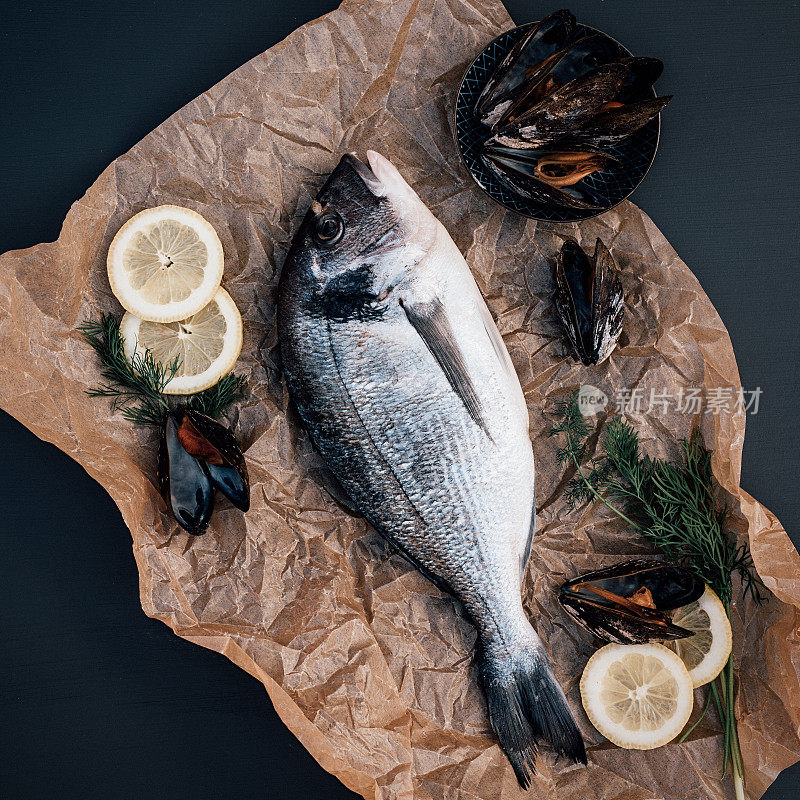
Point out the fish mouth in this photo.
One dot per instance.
(351, 162)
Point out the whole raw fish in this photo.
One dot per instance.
(406, 388)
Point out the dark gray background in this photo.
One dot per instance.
(97, 701)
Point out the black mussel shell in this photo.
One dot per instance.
(524, 63)
(554, 117)
(184, 481)
(611, 126)
(643, 73)
(628, 603)
(222, 457)
(576, 61)
(670, 586)
(589, 300)
(231, 483)
(519, 182)
(620, 626)
(574, 286)
(607, 304)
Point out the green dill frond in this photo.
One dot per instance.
(573, 425)
(621, 445)
(569, 418)
(564, 455)
(577, 493)
(742, 565)
(213, 401)
(583, 488)
(135, 386)
(600, 471)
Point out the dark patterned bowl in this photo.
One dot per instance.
(635, 154)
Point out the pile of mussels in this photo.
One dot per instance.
(554, 102)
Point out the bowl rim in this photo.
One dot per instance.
(590, 215)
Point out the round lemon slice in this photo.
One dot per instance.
(165, 263)
(707, 652)
(207, 344)
(638, 696)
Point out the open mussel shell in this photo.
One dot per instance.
(629, 602)
(549, 177)
(184, 481)
(215, 445)
(589, 300)
(531, 189)
(566, 168)
(529, 58)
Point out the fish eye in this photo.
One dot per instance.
(328, 228)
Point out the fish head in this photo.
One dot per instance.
(365, 231)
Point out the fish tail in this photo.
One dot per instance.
(527, 705)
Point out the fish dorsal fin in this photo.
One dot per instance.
(429, 319)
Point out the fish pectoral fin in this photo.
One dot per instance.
(496, 340)
(525, 552)
(429, 319)
(439, 583)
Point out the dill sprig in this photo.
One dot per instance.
(214, 400)
(677, 509)
(136, 385)
(674, 507)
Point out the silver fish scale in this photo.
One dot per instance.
(456, 478)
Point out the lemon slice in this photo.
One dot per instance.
(207, 343)
(165, 263)
(707, 652)
(639, 696)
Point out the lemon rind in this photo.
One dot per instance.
(221, 366)
(700, 674)
(607, 728)
(175, 311)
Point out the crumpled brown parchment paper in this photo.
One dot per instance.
(367, 663)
